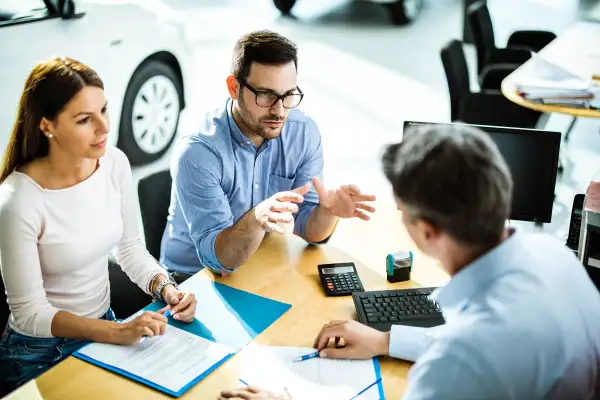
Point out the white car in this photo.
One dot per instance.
(401, 11)
(138, 47)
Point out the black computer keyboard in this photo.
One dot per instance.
(382, 309)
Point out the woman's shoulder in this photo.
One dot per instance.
(18, 193)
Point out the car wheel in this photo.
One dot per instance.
(285, 6)
(150, 114)
(404, 11)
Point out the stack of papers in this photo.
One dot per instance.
(544, 82)
(273, 368)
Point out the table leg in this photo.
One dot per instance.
(570, 128)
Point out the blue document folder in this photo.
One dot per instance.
(224, 315)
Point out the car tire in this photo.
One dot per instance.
(285, 6)
(403, 12)
(150, 114)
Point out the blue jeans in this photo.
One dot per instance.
(23, 358)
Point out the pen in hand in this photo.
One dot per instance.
(167, 314)
(307, 356)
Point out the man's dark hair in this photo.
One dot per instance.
(454, 177)
(263, 47)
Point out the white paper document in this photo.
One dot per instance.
(541, 77)
(273, 368)
(172, 360)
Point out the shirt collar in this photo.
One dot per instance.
(476, 276)
(234, 129)
(236, 133)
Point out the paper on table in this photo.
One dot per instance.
(272, 368)
(542, 77)
(171, 360)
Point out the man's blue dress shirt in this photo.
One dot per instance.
(219, 175)
(522, 322)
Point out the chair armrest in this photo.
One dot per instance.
(534, 40)
(490, 107)
(492, 76)
(508, 56)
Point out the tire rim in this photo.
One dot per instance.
(155, 113)
(411, 8)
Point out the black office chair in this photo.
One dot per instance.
(154, 192)
(488, 106)
(126, 297)
(520, 43)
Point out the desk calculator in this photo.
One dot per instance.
(340, 279)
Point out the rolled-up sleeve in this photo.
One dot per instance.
(311, 166)
(197, 176)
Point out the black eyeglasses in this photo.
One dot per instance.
(268, 99)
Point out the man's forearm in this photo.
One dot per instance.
(68, 325)
(236, 244)
(319, 225)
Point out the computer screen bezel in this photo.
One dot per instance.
(545, 215)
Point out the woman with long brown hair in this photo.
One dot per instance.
(67, 200)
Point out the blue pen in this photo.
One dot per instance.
(167, 314)
(307, 356)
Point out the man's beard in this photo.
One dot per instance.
(255, 125)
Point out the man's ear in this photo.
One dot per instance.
(430, 231)
(46, 126)
(233, 87)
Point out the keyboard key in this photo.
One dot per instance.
(374, 314)
(373, 320)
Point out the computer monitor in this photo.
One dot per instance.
(532, 157)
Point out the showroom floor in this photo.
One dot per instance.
(364, 77)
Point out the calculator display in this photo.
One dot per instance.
(337, 270)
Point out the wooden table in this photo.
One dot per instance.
(284, 269)
(576, 50)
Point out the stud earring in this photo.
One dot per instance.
(49, 136)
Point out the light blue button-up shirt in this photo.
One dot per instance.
(522, 322)
(219, 175)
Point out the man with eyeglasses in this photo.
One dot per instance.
(255, 165)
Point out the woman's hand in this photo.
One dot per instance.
(253, 393)
(182, 305)
(147, 324)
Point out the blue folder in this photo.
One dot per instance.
(223, 315)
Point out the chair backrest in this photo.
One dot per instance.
(4, 310)
(457, 75)
(482, 29)
(154, 192)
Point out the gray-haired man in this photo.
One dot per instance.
(522, 316)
